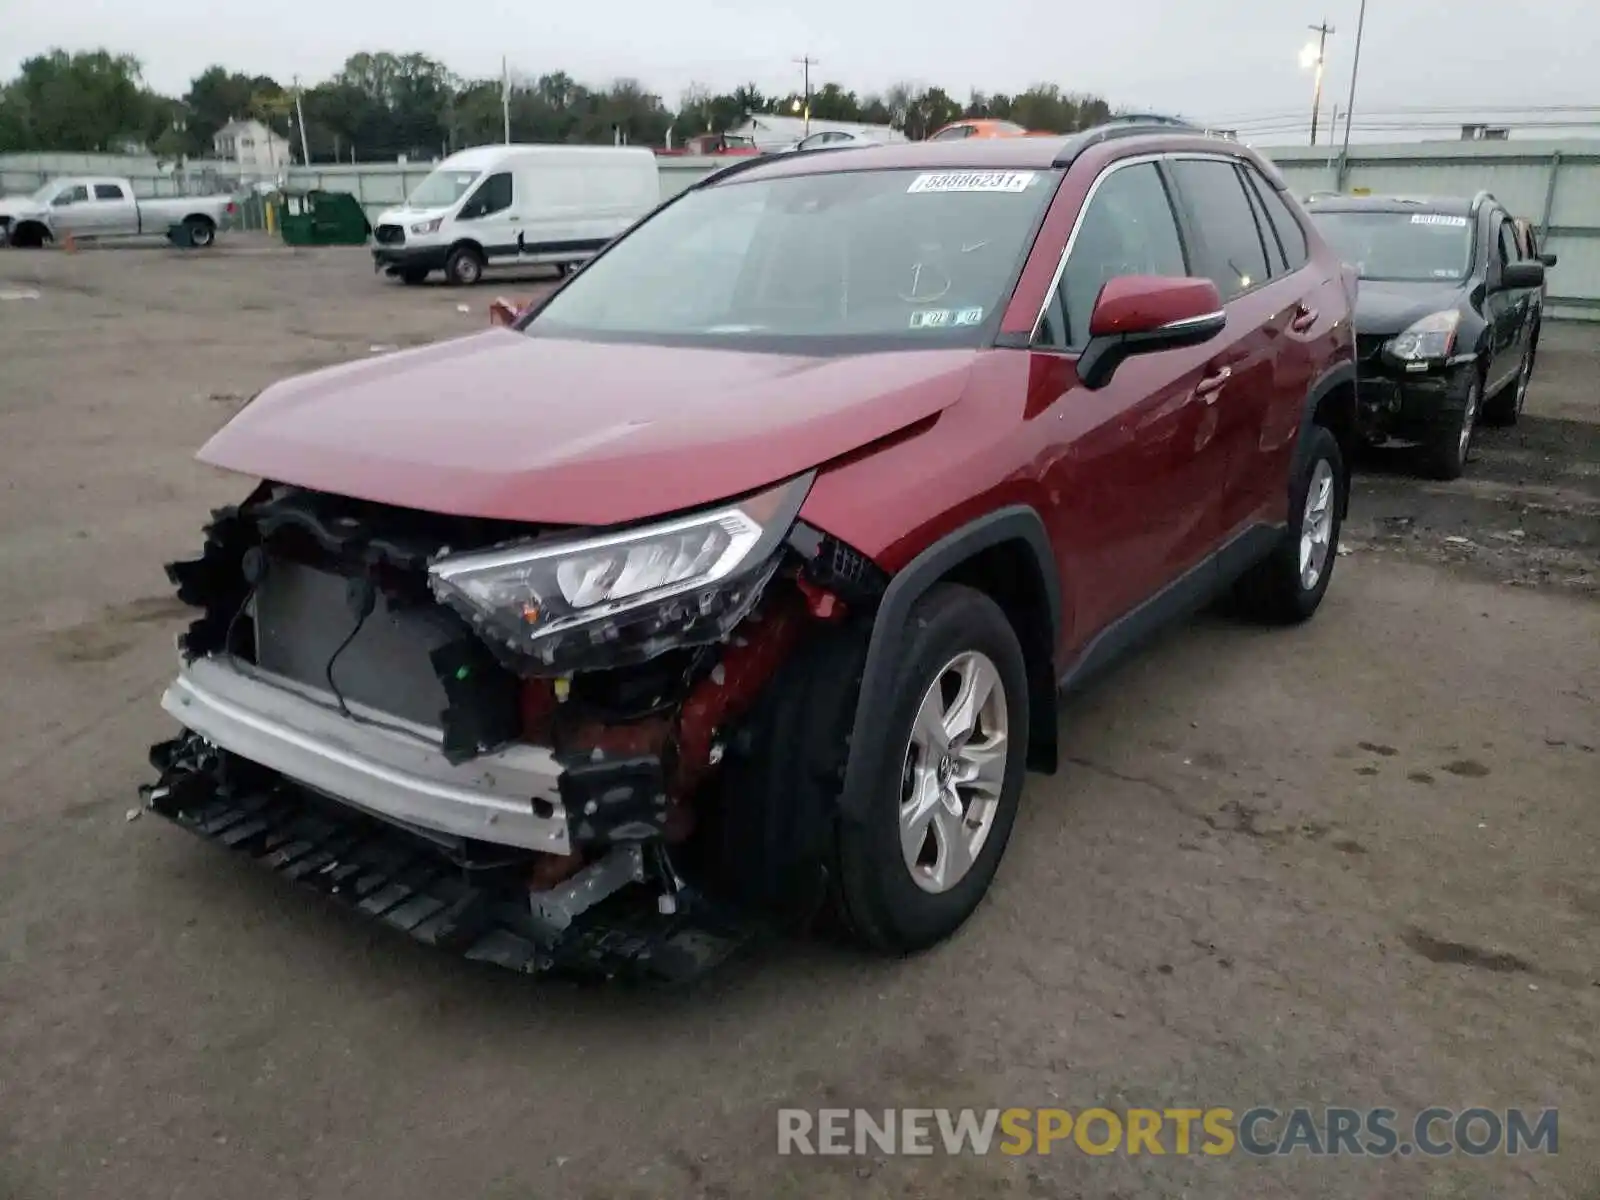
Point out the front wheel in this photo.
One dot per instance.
(915, 865)
(464, 267)
(1506, 408)
(1288, 585)
(1446, 453)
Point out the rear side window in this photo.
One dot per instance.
(1291, 236)
(1231, 253)
(107, 191)
(493, 195)
(1128, 229)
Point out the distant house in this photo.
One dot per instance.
(252, 147)
(771, 132)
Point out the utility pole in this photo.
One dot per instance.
(807, 62)
(1322, 31)
(300, 113)
(505, 97)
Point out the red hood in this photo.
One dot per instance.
(584, 433)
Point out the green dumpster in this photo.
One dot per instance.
(319, 218)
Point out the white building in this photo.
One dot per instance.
(251, 145)
(771, 132)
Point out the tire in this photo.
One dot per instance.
(464, 267)
(1288, 585)
(1445, 455)
(893, 900)
(412, 276)
(202, 233)
(1505, 406)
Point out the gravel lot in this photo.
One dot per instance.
(1352, 863)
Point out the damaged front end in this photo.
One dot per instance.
(497, 738)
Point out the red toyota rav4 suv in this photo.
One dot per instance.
(739, 577)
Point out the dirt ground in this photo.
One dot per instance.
(1354, 863)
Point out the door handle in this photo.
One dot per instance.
(1304, 318)
(1212, 384)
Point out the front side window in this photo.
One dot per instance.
(71, 195)
(493, 195)
(1233, 257)
(1509, 252)
(1400, 247)
(864, 259)
(1128, 229)
(953, 134)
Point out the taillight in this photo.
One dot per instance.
(232, 208)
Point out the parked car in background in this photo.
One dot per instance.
(835, 139)
(740, 575)
(90, 207)
(1448, 317)
(495, 206)
(981, 127)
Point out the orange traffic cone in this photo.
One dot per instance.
(69, 244)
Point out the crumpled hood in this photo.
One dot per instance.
(499, 424)
(1388, 308)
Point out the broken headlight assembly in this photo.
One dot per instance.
(1433, 337)
(625, 596)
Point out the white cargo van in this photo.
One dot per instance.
(495, 206)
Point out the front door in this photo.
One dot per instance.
(489, 217)
(1138, 471)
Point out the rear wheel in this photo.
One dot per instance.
(464, 267)
(200, 230)
(1288, 586)
(914, 866)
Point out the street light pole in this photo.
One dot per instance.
(807, 62)
(1322, 31)
(1350, 105)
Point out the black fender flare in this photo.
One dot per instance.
(1020, 523)
(1338, 375)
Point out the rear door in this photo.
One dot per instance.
(111, 209)
(1261, 353)
(1140, 469)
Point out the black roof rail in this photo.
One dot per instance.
(1128, 125)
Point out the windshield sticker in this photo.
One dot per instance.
(930, 318)
(971, 181)
(969, 316)
(1438, 219)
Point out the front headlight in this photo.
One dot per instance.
(626, 596)
(1432, 337)
(428, 226)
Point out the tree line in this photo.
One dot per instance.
(382, 105)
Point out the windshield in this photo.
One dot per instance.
(442, 188)
(897, 257)
(1400, 247)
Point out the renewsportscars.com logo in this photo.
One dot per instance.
(1261, 1131)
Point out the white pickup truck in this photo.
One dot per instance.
(99, 207)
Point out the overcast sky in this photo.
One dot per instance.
(1217, 62)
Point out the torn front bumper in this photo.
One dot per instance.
(592, 925)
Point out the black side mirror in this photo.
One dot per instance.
(1521, 275)
(1548, 260)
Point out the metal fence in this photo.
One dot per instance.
(1555, 184)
